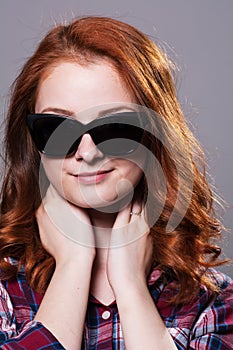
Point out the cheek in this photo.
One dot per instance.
(53, 171)
(131, 172)
(135, 175)
(134, 167)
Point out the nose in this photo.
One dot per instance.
(87, 150)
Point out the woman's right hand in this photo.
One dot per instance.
(66, 233)
(65, 230)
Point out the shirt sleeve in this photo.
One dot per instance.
(214, 328)
(32, 335)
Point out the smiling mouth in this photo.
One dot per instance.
(93, 177)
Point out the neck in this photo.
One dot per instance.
(102, 224)
(101, 219)
(105, 217)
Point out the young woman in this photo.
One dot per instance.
(107, 224)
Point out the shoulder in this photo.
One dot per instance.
(220, 279)
(10, 289)
(7, 326)
(18, 290)
(217, 315)
(18, 276)
(18, 297)
(225, 285)
(216, 303)
(205, 302)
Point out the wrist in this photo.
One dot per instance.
(128, 293)
(79, 265)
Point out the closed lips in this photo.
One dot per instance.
(93, 177)
(93, 173)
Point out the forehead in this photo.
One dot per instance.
(77, 88)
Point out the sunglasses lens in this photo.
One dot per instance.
(113, 137)
(52, 138)
(117, 139)
(118, 147)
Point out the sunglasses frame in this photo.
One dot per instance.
(131, 120)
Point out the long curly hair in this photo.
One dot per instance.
(187, 250)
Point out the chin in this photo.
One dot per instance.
(113, 205)
(106, 205)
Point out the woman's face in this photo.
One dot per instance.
(89, 178)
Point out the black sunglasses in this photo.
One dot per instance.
(59, 136)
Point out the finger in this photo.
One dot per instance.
(139, 217)
(136, 211)
(123, 216)
(127, 227)
(74, 224)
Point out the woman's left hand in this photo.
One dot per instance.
(130, 252)
(128, 265)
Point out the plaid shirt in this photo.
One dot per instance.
(205, 323)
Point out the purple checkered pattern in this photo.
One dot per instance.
(204, 323)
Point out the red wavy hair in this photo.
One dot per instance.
(186, 251)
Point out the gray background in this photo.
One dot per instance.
(197, 34)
